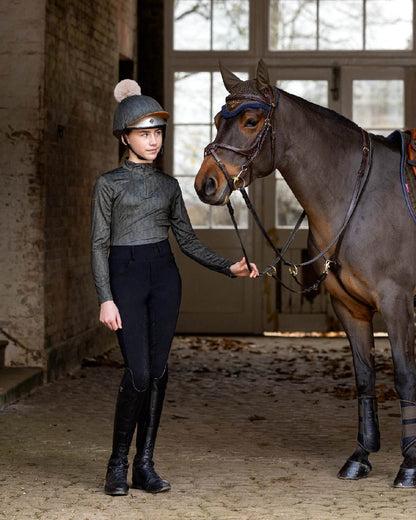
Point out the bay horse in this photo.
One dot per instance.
(348, 182)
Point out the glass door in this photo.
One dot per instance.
(374, 99)
(211, 302)
(286, 310)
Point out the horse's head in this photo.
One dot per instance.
(239, 152)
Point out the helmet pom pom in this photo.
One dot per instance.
(126, 88)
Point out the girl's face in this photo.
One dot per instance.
(146, 142)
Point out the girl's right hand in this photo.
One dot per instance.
(110, 315)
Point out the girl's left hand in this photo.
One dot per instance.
(241, 269)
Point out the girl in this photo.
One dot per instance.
(138, 283)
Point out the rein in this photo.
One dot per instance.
(238, 182)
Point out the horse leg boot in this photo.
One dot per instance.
(406, 477)
(144, 475)
(357, 323)
(129, 403)
(398, 314)
(358, 465)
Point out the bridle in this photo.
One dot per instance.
(272, 95)
(249, 101)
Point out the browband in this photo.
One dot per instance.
(227, 115)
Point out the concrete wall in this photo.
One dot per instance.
(59, 144)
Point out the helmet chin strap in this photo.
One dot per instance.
(135, 153)
(126, 142)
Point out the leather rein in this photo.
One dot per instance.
(238, 183)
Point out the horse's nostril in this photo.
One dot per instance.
(210, 186)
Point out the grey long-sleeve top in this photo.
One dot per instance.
(137, 204)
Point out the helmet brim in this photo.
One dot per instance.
(161, 114)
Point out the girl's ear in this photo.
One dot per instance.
(124, 140)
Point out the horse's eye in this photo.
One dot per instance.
(250, 123)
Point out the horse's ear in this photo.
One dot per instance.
(262, 76)
(229, 78)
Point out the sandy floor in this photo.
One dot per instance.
(253, 429)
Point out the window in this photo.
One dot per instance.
(287, 208)
(211, 25)
(378, 104)
(198, 96)
(300, 25)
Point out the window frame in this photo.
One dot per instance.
(207, 60)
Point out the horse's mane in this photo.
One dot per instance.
(331, 114)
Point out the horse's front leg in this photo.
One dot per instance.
(359, 330)
(398, 313)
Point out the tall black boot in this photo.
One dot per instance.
(129, 403)
(144, 475)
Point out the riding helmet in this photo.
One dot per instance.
(135, 110)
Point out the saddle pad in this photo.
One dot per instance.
(410, 170)
(407, 166)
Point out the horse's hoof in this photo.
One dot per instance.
(354, 470)
(406, 478)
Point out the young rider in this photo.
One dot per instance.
(138, 283)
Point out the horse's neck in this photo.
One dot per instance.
(319, 158)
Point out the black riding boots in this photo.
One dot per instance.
(129, 404)
(144, 475)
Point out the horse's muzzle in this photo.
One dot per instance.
(211, 186)
(210, 193)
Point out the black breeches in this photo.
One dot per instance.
(146, 288)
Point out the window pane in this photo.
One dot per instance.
(189, 144)
(198, 211)
(230, 25)
(378, 104)
(211, 25)
(389, 24)
(192, 25)
(315, 91)
(340, 24)
(288, 208)
(220, 216)
(192, 97)
(292, 25)
(198, 96)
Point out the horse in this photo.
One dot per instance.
(361, 234)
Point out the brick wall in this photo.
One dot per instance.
(83, 40)
(61, 61)
(22, 180)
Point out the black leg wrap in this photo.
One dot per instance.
(406, 477)
(408, 413)
(144, 475)
(368, 431)
(358, 465)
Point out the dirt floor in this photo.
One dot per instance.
(254, 428)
